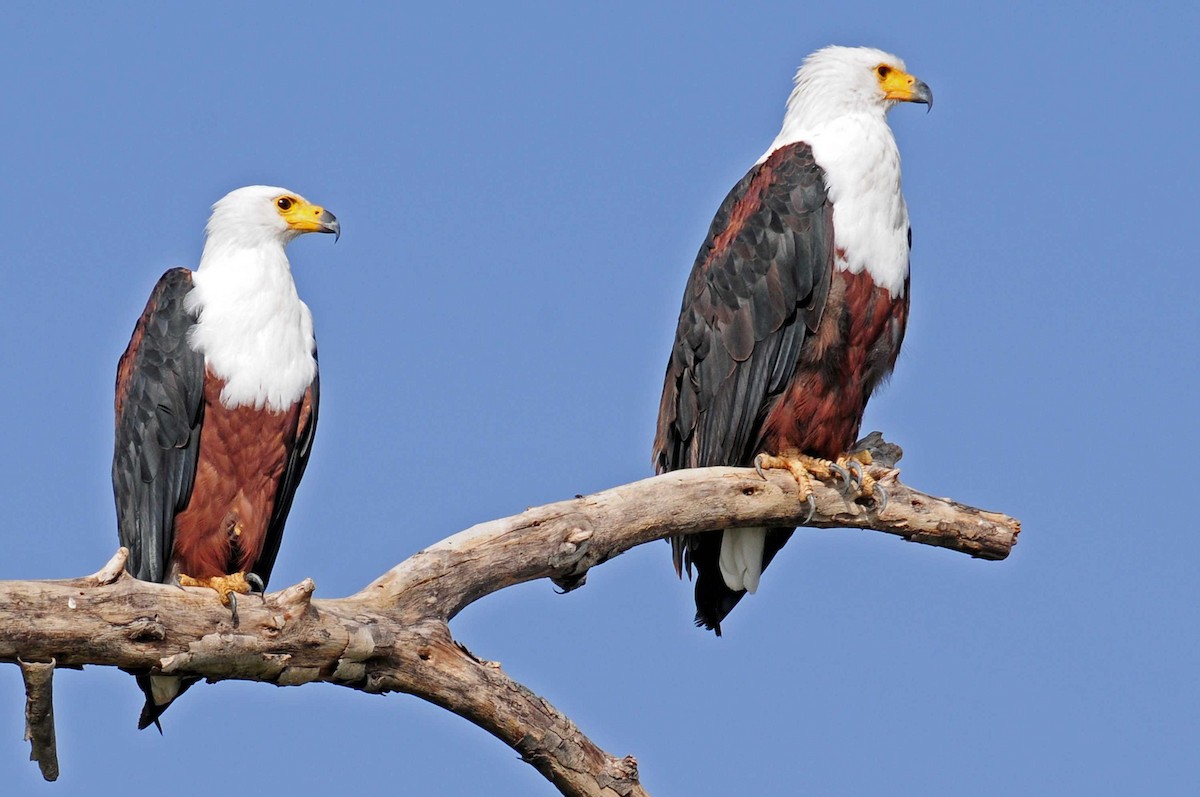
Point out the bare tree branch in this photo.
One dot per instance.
(394, 634)
(562, 541)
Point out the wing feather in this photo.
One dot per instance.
(757, 288)
(159, 411)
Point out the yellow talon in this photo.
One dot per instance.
(856, 464)
(802, 467)
(224, 585)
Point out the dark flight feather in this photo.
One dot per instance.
(159, 410)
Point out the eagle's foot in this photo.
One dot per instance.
(855, 462)
(803, 469)
(227, 587)
(863, 482)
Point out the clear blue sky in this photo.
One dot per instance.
(522, 192)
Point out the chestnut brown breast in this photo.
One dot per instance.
(243, 455)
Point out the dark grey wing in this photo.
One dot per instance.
(306, 428)
(757, 290)
(159, 410)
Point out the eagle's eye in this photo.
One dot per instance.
(883, 70)
(284, 203)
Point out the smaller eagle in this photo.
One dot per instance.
(795, 309)
(216, 406)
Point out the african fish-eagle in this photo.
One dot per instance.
(795, 308)
(216, 406)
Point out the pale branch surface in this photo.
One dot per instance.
(394, 634)
(562, 541)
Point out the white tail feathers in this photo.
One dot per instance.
(742, 558)
(164, 688)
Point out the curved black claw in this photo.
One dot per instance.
(758, 467)
(812, 509)
(844, 475)
(857, 469)
(233, 608)
(881, 498)
(256, 584)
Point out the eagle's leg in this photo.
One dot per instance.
(803, 469)
(227, 587)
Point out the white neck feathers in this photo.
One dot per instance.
(252, 328)
(857, 151)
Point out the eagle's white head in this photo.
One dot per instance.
(262, 215)
(839, 81)
(252, 328)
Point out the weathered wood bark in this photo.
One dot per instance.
(394, 634)
(39, 716)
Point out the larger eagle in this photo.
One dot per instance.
(216, 407)
(795, 308)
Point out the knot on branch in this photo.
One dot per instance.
(293, 603)
(145, 629)
(296, 599)
(113, 570)
(570, 554)
(620, 775)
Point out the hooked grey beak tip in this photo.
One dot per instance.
(329, 223)
(924, 94)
